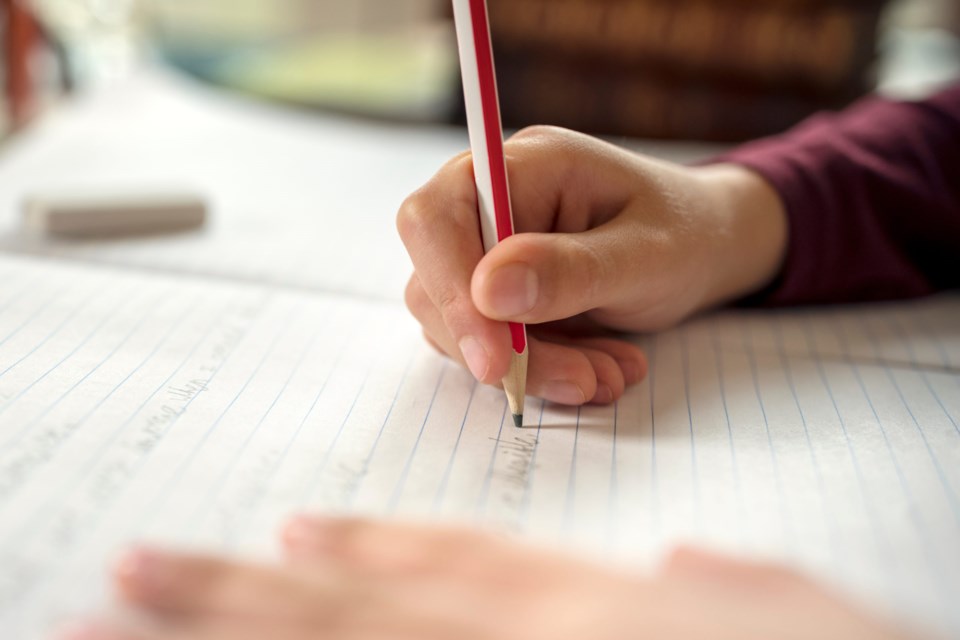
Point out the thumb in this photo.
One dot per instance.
(540, 277)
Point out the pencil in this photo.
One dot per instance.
(489, 166)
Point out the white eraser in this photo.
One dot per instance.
(113, 213)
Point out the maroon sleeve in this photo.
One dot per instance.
(873, 200)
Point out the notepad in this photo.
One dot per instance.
(202, 413)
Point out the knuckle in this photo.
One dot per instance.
(416, 215)
(415, 297)
(448, 301)
(427, 214)
(779, 577)
(541, 133)
(594, 267)
(448, 545)
(466, 552)
(433, 343)
(344, 532)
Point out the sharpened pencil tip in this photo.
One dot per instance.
(517, 420)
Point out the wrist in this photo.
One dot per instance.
(751, 242)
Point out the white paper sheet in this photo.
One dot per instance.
(203, 413)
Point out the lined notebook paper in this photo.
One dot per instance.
(201, 413)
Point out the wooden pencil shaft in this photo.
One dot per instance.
(489, 165)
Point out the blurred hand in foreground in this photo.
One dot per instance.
(353, 579)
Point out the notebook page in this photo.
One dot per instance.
(202, 413)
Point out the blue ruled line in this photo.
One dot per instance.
(173, 327)
(86, 339)
(67, 318)
(572, 477)
(778, 481)
(161, 497)
(787, 369)
(108, 442)
(532, 469)
(442, 490)
(383, 426)
(613, 500)
(721, 378)
(405, 473)
(655, 516)
(694, 474)
(295, 437)
(140, 463)
(17, 295)
(481, 509)
(36, 313)
(901, 333)
(936, 568)
(312, 484)
(870, 508)
(951, 496)
(136, 327)
(226, 473)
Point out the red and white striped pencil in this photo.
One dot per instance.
(489, 166)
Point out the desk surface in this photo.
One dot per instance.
(310, 184)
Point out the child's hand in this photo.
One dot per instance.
(619, 240)
(353, 579)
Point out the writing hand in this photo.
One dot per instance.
(609, 238)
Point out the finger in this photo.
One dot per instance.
(557, 373)
(434, 344)
(439, 227)
(435, 329)
(202, 629)
(708, 566)
(101, 630)
(442, 561)
(610, 383)
(565, 181)
(631, 360)
(387, 547)
(97, 630)
(199, 585)
(568, 375)
(541, 277)
(574, 373)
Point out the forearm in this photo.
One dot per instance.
(872, 201)
(751, 240)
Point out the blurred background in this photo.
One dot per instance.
(719, 70)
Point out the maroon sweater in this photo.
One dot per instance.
(873, 200)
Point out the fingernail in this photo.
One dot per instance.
(514, 289)
(604, 395)
(476, 357)
(84, 630)
(141, 570)
(631, 371)
(564, 393)
(304, 531)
